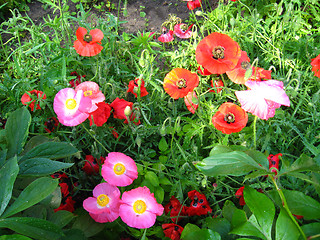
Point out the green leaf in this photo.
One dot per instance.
(62, 218)
(41, 167)
(247, 229)
(219, 225)
(87, 225)
(32, 194)
(8, 174)
(163, 145)
(259, 157)
(239, 218)
(285, 227)
(14, 237)
(232, 163)
(220, 149)
(303, 163)
(3, 156)
(152, 178)
(262, 208)
(256, 174)
(159, 194)
(17, 130)
(51, 150)
(228, 210)
(191, 232)
(312, 229)
(74, 234)
(32, 227)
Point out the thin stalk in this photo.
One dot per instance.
(255, 132)
(95, 138)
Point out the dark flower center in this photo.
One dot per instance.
(184, 27)
(245, 65)
(218, 52)
(176, 228)
(229, 118)
(87, 38)
(181, 83)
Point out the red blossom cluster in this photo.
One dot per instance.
(92, 165)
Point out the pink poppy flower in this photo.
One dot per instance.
(182, 30)
(166, 36)
(191, 105)
(104, 205)
(71, 107)
(119, 169)
(91, 90)
(139, 208)
(263, 98)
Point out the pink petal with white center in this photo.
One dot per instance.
(90, 205)
(105, 216)
(91, 90)
(166, 36)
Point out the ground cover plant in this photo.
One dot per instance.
(207, 129)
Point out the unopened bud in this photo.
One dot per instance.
(199, 13)
(127, 111)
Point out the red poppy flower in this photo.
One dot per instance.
(179, 82)
(134, 87)
(75, 82)
(192, 4)
(315, 63)
(68, 205)
(191, 101)
(218, 53)
(114, 132)
(237, 75)
(230, 118)
(101, 115)
(175, 208)
(51, 124)
(259, 74)
(199, 205)
(91, 165)
(64, 189)
(119, 106)
(239, 194)
(298, 216)
(32, 97)
(172, 231)
(218, 84)
(274, 163)
(60, 175)
(87, 43)
(203, 72)
(182, 30)
(166, 36)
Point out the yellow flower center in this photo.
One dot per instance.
(119, 169)
(181, 83)
(87, 93)
(139, 206)
(71, 103)
(103, 200)
(229, 118)
(87, 38)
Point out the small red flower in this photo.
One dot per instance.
(230, 118)
(75, 82)
(91, 166)
(259, 74)
(114, 132)
(239, 194)
(87, 44)
(203, 72)
(134, 87)
(61, 176)
(119, 106)
(274, 163)
(172, 231)
(192, 4)
(101, 115)
(191, 101)
(199, 205)
(218, 84)
(182, 30)
(68, 205)
(32, 97)
(166, 36)
(64, 188)
(51, 124)
(179, 82)
(315, 63)
(175, 208)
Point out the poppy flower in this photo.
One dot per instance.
(60, 175)
(259, 74)
(51, 124)
(298, 216)
(91, 165)
(199, 205)
(203, 72)
(217, 84)
(230, 118)
(64, 188)
(87, 44)
(179, 82)
(71, 107)
(263, 98)
(119, 169)
(166, 36)
(31, 97)
(239, 194)
(176, 209)
(91, 90)
(218, 53)
(114, 132)
(274, 163)
(315, 63)
(172, 231)
(139, 208)
(75, 82)
(192, 4)
(191, 101)
(237, 75)
(104, 205)
(134, 87)
(67, 205)
(101, 115)
(119, 106)
(182, 30)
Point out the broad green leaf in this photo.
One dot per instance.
(87, 225)
(152, 178)
(232, 163)
(74, 234)
(303, 163)
(8, 174)
(14, 237)
(247, 229)
(259, 157)
(41, 167)
(17, 130)
(239, 217)
(220, 149)
(51, 150)
(163, 145)
(262, 208)
(285, 227)
(228, 210)
(61, 218)
(33, 142)
(312, 229)
(3, 156)
(32, 194)
(159, 194)
(256, 174)
(32, 227)
(191, 232)
(219, 225)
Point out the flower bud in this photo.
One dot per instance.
(127, 111)
(199, 13)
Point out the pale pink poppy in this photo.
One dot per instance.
(91, 90)
(166, 36)
(182, 30)
(119, 169)
(190, 100)
(71, 107)
(139, 208)
(263, 98)
(104, 205)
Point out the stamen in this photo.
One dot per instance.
(218, 52)
(181, 83)
(87, 38)
(229, 118)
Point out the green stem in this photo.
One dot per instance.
(286, 207)
(255, 132)
(95, 138)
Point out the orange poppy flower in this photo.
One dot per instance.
(315, 62)
(230, 118)
(259, 73)
(87, 43)
(237, 75)
(218, 53)
(179, 82)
